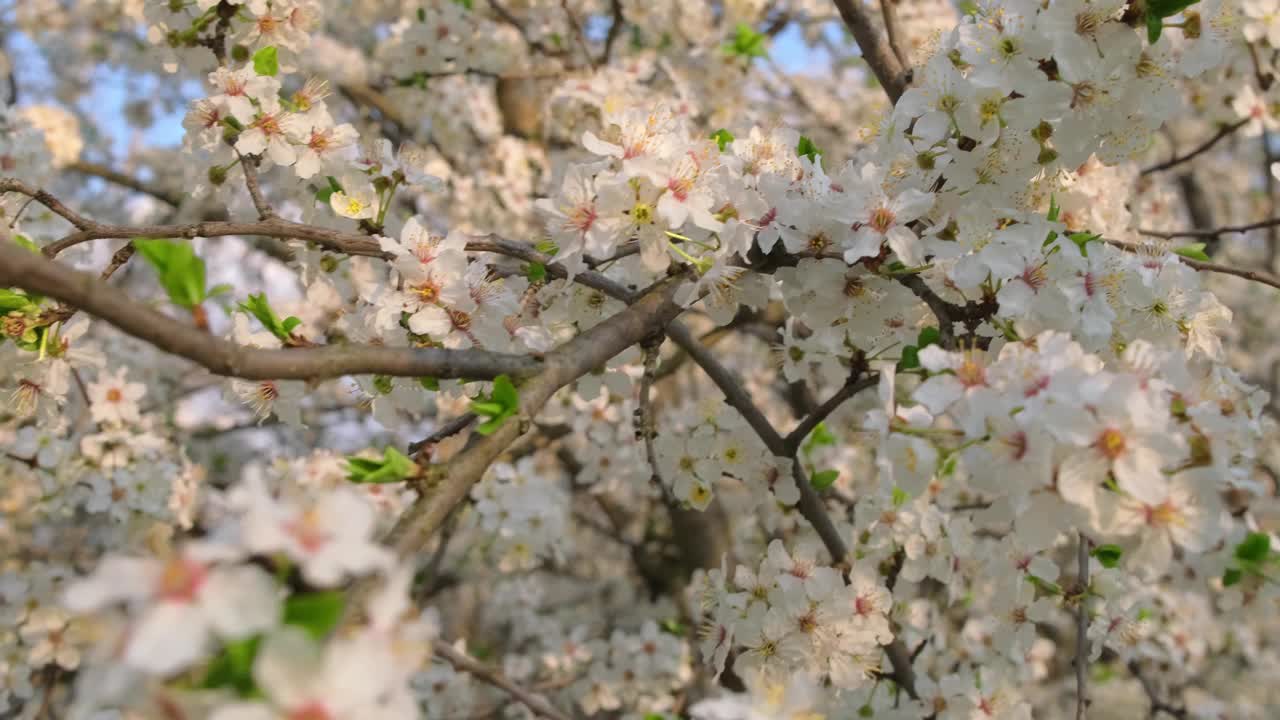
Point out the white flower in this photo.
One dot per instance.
(112, 400)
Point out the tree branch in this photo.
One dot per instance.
(852, 386)
(1198, 150)
(24, 269)
(1257, 276)
(126, 181)
(465, 663)
(1211, 232)
(1082, 628)
(888, 9)
(875, 48)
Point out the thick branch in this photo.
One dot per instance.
(465, 663)
(34, 273)
(563, 365)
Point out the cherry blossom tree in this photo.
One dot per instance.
(569, 359)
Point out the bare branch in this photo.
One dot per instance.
(889, 9)
(126, 181)
(852, 387)
(875, 48)
(465, 663)
(562, 366)
(1211, 232)
(250, 168)
(34, 273)
(1198, 150)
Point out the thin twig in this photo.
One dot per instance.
(126, 181)
(453, 427)
(465, 663)
(852, 387)
(1257, 276)
(1198, 150)
(250, 168)
(1082, 628)
(1212, 232)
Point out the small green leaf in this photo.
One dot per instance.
(547, 247)
(266, 61)
(468, 4)
(233, 667)
(820, 437)
(422, 15)
(1082, 239)
(1194, 251)
(180, 270)
(290, 323)
(1232, 576)
(746, 43)
(393, 467)
(220, 289)
(824, 479)
(723, 138)
(1108, 555)
(900, 497)
(673, 626)
(1155, 26)
(1254, 549)
(317, 612)
(429, 383)
(10, 301)
(26, 242)
(1054, 210)
(806, 148)
(502, 403)
(910, 358)
(536, 272)
(928, 336)
(258, 307)
(1158, 10)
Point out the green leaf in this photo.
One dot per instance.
(266, 62)
(547, 247)
(393, 467)
(900, 497)
(180, 270)
(824, 479)
(910, 358)
(928, 336)
(746, 43)
(1232, 576)
(220, 289)
(806, 148)
(723, 138)
(1108, 555)
(820, 437)
(1054, 210)
(502, 403)
(1254, 549)
(468, 4)
(536, 272)
(1081, 239)
(233, 667)
(290, 323)
(318, 612)
(1158, 10)
(429, 383)
(422, 15)
(25, 242)
(258, 307)
(1195, 251)
(10, 301)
